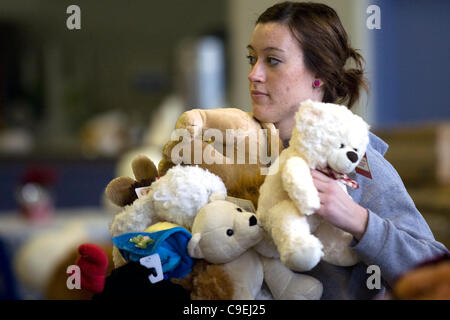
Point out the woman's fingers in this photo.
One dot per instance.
(321, 181)
(320, 176)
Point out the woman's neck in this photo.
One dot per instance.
(285, 127)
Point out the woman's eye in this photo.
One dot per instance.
(273, 61)
(251, 60)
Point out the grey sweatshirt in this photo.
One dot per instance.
(397, 237)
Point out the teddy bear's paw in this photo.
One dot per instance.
(302, 256)
(336, 245)
(345, 257)
(302, 287)
(284, 284)
(314, 204)
(310, 204)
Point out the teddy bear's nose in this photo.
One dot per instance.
(252, 221)
(352, 156)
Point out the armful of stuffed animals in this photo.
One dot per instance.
(298, 183)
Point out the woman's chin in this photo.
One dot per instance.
(260, 113)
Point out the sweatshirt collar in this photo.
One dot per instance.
(378, 144)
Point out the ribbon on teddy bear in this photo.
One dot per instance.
(340, 177)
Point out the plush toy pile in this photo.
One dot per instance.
(176, 198)
(234, 250)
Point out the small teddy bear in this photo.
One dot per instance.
(224, 234)
(326, 137)
(175, 197)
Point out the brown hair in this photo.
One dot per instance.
(325, 47)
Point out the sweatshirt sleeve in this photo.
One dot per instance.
(397, 237)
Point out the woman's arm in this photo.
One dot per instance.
(396, 236)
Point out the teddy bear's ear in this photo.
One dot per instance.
(144, 168)
(216, 196)
(119, 191)
(194, 249)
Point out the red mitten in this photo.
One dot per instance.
(93, 263)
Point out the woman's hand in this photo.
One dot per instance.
(338, 208)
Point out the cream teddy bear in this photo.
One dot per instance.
(326, 136)
(223, 233)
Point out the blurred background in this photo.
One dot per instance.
(77, 105)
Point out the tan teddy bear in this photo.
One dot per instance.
(224, 234)
(240, 147)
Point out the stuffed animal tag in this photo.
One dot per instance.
(153, 262)
(363, 167)
(142, 191)
(245, 204)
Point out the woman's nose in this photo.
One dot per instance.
(256, 74)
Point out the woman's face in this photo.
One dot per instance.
(279, 80)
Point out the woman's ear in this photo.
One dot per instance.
(317, 83)
(194, 249)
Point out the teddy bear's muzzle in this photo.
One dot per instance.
(252, 221)
(352, 156)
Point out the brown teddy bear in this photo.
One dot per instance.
(223, 135)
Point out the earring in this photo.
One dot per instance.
(316, 84)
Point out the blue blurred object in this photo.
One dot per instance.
(80, 183)
(412, 62)
(8, 290)
(170, 244)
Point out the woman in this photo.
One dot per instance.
(299, 51)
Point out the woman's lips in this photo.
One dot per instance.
(258, 94)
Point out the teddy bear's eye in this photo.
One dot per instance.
(342, 145)
(230, 232)
(356, 150)
(239, 209)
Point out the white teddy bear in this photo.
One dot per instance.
(325, 136)
(223, 233)
(176, 197)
